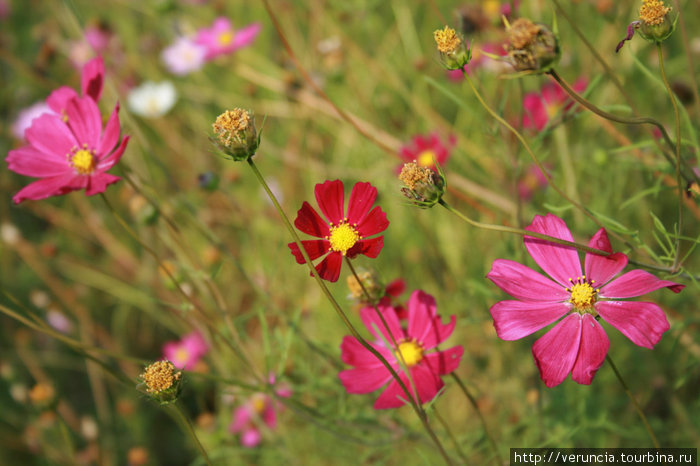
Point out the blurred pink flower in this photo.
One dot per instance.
(186, 353)
(260, 408)
(425, 331)
(59, 321)
(91, 83)
(530, 182)
(541, 106)
(577, 344)
(183, 56)
(69, 154)
(4, 9)
(221, 39)
(427, 149)
(26, 116)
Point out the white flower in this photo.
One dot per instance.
(152, 100)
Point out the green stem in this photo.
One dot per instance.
(446, 426)
(676, 259)
(634, 402)
(472, 400)
(343, 316)
(175, 407)
(518, 231)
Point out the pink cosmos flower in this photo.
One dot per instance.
(427, 149)
(577, 344)
(186, 353)
(183, 56)
(530, 182)
(424, 332)
(91, 83)
(70, 155)
(221, 39)
(260, 409)
(541, 106)
(26, 117)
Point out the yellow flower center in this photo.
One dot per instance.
(410, 352)
(492, 8)
(653, 12)
(225, 38)
(160, 376)
(83, 161)
(258, 403)
(426, 158)
(343, 236)
(232, 124)
(583, 295)
(182, 355)
(446, 39)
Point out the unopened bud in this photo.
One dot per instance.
(532, 47)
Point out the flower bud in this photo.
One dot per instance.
(236, 134)
(161, 382)
(532, 47)
(454, 52)
(370, 280)
(422, 186)
(655, 23)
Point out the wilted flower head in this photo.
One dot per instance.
(453, 50)
(236, 134)
(654, 24)
(183, 56)
(162, 382)
(422, 186)
(152, 100)
(531, 46)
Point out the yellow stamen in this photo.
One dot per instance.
(583, 295)
(160, 376)
(653, 12)
(426, 158)
(83, 161)
(343, 236)
(231, 124)
(225, 38)
(446, 39)
(182, 355)
(411, 352)
(258, 403)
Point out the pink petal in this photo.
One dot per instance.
(427, 382)
(517, 319)
(111, 160)
(110, 137)
(369, 247)
(314, 248)
(47, 187)
(310, 222)
(92, 78)
(643, 323)
(329, 268)
(251, 438)
(523, 283)
(535, 114)
(354, 354)
(50, 135)
(364, 379)
(362, 197)
(31, 162)
(602, 268)
(636, 283)
(396, 287)
(58, 99)
(444, 362)
(424, 325)
(245, 36)
(375, 222)
(85, 120)
(560, 262)
(270, 415)
(373, 323)
(591, 354)
(98, 182)
(556, 351)
(241, 417)
(330, 198)
(393, 396)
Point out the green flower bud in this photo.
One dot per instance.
(454, 52)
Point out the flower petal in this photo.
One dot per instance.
(444, 362)
(373, 223)
(362, 197)
(523, 283)
(354, 354)
(643, 323)
(424, 323)
(246, 36)
(111, 160)
(427, 382)
(636, 283)
(241, 417)
(373, 322)
(251, 437)
(591, 354)
(50, 135)
(97, 183)
(47, 187)
(92, 78)
(31, 162)
(310, 222)
(393, 396)
(602, 268)
(560, 262)
(314, 248)
(58, 99)
(330, 198)
(364, 379)
(396, 287)
(556, 351)
(517, 319)
(85, 120)
(369, 247)
(329, 268)
(110, 137)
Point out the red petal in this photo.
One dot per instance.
(373, 322)
(47, 187)
(314, 248)
(110, 137)
(329, 268)
(369, 247)
(354, 354)
(310, 222)
(330, 198)
(98, 183)
(643, 323)
(364, 379)
(31, 162)
(375, 222)
(92, 78)
(361, 199)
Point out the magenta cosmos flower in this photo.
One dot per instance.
(186, 353)
(91, 83)
(342, 235)
(221, 39)
(577, 344)
(425, 331)
(540, 106)
(71, 155)
(260, 409)
(426, 149)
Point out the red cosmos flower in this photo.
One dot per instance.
(425, 331)
(425, 150)
(541, 106)
(69, 155)
(341, 235)
(577, 344)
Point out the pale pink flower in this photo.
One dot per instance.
(577, 344)
(184, 56)
(186, 353)
(26, 116)
(221, 39)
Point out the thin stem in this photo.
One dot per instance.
(521, 232)
(452, 436)
(343, 316)
(472, 400)
(676, 259)
(175, 407)
(634, 402)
